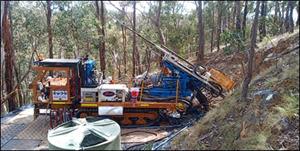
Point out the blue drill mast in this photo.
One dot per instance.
(191, 78)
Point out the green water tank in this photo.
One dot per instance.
(85, 133)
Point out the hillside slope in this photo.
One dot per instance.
(270, 120)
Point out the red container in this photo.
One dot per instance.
(134, 94)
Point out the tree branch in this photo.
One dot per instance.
(154, 21)
(123, 12)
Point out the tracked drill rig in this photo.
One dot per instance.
(77, 91)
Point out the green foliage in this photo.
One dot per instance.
(180, 30)
(234, 40)
(272, 26)
(74, 29)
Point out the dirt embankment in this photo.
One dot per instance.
(267, 53)
(270, 119)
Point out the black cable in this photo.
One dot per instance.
(151, 127)
(188, 124)
(155, 140)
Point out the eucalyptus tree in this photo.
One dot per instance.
(201, 42)
(49, 28)
(248, 77)
(7, 40)
(101, 31)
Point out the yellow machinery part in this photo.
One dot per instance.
(88, 105)
(58, 102)
(88, 99)
(222, 79)
(180, 106)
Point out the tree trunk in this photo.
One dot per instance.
(1, 56)
(291, 21)
(101, 32)
(162, 39)
(212, 29)
(229, 16)
(277, 11)
(61, 49)
(286, 20)
(119, 69)
(201, 39)
(20, 97)
(251, 53)
(297, 23)
(238, 26)
(245, 19)
(7, 40)
(133, 42)
(262, 24)
(88, 47)
(102, 52)
(75, 36)
(124, 44)
(238, 16)
(282, 25)
(49, 29)
(233, 16)
(148, 56)
(224, 17)
(124, 50)
(138, 61)
(219, 24)
(277, 15)
(265, 17)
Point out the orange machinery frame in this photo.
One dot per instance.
(41, 72)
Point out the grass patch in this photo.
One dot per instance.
(263, 121)
(257, 141)
(290, 106)
(272, 120)
(148, 146)
(270, 82)
(231, 133)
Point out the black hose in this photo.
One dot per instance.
(151, 127)
(169, 138)
(143, 143)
